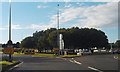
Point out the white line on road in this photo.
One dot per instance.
(65, 59)
(94, 69)
(16, 66)
(115, 57)
(77, 62)
(71, 61)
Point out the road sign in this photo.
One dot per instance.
(55, 49)
(8, 51)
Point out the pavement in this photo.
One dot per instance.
(94, 63)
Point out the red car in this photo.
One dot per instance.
(116, 51)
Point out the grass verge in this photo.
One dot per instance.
(68, 56)
(15, 53)
(5, 65)
(44, 55)
(1, 52)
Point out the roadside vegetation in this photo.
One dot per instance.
(74, 38)
(44, 55)
(5, 64)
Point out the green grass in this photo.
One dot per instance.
(4, 64)
(15, 53)
(44, 55)
(8, 63)
(52, 55)
(68, 56)
(1, 52)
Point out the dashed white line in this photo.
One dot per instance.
(71, 61)
(94, 69)
(74, 61)
(77, 62)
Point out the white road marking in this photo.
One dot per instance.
(115, 57)
(88, 66)
(71, 61)
(77, 62)
(94, 69)
(16, 66)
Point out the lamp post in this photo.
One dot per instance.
(58, 27)
(9, 43)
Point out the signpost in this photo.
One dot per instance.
(9, 50)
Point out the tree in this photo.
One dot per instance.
(43, 44)
(80, 38)
(4, 45)
(28, 42)
(17, 45)
(73, 38)
(117, 43)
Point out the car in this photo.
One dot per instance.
(86, 52)
(96, 50)
(117, 51)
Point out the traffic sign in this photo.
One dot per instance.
(8, 50)
(55, 49)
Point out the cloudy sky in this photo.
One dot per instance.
(28, 17)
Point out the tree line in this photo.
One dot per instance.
(74, 38)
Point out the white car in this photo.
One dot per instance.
(86, 52)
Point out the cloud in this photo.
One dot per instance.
(13, 26)
(67, 6)
(2, 28)
(38, 6)
(81, 3)
(41, 6)
(66, 0)
(16, 27)
(39, 26)
(100, 16)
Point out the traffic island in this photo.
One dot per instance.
(46, 55)
(6, 65)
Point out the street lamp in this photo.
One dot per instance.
(9, 43)
(58, 27)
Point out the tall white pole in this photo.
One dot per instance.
(58, 27)
(10, 22)
(10, 41)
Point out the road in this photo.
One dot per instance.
(93, 63)
(100, 62)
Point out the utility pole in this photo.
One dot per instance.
(58, 27)
(10, 22)
(58, 46)
(9, 43)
